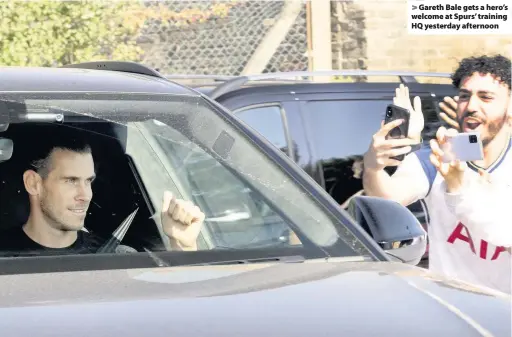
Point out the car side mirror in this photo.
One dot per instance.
(392, 226)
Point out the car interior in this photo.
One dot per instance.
(117, 191)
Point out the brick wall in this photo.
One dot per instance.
(386, 44)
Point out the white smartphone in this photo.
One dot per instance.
(464, 147)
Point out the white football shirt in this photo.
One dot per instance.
(454, 250)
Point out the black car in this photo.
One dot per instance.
(325, 127)
(276, 255)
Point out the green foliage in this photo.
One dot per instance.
(186, 17)
(53, 33)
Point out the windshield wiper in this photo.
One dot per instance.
(285, 259)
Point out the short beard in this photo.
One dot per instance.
(48, 214)
(493, 127)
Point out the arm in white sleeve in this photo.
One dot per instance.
(484, 208)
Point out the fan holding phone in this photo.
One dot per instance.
(467, 240)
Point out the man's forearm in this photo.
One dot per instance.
(378, 184)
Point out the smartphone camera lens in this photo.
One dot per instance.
(473, 139)
(388, 113)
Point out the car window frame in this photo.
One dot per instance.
(284, 120)
(162, 259)
(280, 160)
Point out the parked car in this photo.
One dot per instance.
(277, 255)
(325, 127)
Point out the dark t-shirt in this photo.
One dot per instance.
(14, 242)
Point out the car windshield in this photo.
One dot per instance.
(144, 144)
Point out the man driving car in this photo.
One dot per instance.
(59, 186)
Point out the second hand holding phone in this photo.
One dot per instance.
(464, 147)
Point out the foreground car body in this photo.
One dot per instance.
(295, 299)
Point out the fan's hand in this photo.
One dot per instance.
(416, 120)
(452, 172)
(449, 114)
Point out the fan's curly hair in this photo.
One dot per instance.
(499, 66)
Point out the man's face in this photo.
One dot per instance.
(67, 191)
(483, 105)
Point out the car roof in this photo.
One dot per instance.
(48, 79)
(220, 87)
(334, 87)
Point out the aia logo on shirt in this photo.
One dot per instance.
(462, 233)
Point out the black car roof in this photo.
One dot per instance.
(46, 79)
(297, 81)
(312, 87)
